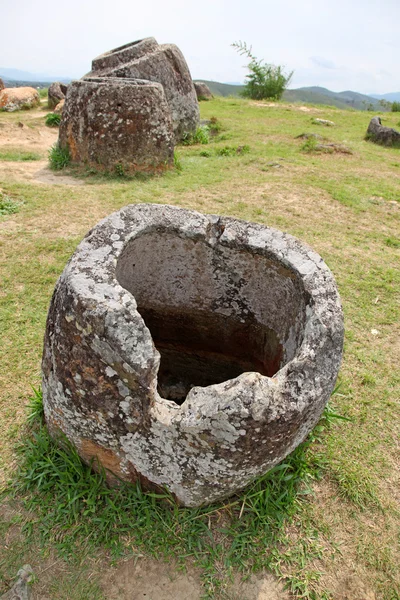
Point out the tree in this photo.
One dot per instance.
(264, 80)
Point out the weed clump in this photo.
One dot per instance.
(233, 150)
(200, 136)
(8, 206)
(53, 120)
(59, 158)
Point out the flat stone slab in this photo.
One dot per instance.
(190, 352)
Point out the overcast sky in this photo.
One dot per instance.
(338, 44)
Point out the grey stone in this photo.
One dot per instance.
(385, 136)
(21, 589)
(55, 94)
(110, 123)
(189, 352)
(203, 92)
(165, 64)
(2, 86)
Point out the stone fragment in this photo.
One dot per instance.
(55, 94)
(21, 589)
(323, 122)
(20, 98)
(111, 123)
(2, 86)
(385, 136)
(165, 64)
(189, 352)
(203, 92)
(59, 108)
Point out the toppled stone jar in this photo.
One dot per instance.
(189, 351)
(165, 64)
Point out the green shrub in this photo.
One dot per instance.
(396, 107)
(53, 120)
(265, 80)
(200, 136)
(59, 158)
(43, 92)
(205, 153)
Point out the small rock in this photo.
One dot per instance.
(385, 136)
(323, 122)
(203, 92)
(21, 589)
(12, 99)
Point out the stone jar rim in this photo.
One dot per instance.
(91, 274)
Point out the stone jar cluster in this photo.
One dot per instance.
(130, 110)
(189, 352)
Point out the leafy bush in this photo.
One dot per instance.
(43, 92)
(53, 120)
(265, 80)
(200, 136)
(59, 158)
(396, 107)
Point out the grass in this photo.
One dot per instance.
(75, 510)
(18, 155)
(347, 208)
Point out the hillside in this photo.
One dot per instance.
(312, 95)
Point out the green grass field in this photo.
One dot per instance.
(328, 521)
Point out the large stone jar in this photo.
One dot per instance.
(110, 123)
(189, 352)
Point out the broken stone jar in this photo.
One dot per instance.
(189, 352)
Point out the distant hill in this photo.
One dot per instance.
(222, 89)
(393, 97)
(17, 78)
(311, 95)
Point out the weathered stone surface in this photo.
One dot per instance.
(203, 92)
(2, 86)
(109, 123)
(55, 94)
(21, 98)
(59, 108)
(386, 136)
(21, 589)
(165, 64)
(190, 351)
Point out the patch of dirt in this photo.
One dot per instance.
(307, 109)
(145, 579)
(21, 135)
(35, 172)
